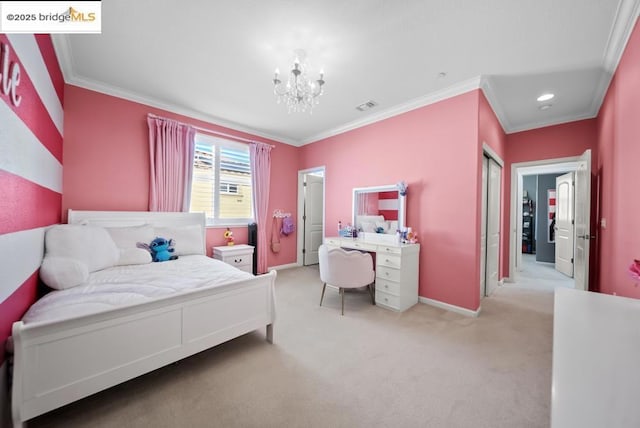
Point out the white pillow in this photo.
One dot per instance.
(128, 237)
(368, 226)
(63, 272)
(90, 245)
(186, 239)
(134, 256)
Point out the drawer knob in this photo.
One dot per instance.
(386, 273)
(386, 299)
(386, 286)
(387, 260)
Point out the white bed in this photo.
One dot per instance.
(67, 349)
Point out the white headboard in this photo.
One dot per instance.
(137, 218)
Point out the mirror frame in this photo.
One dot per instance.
(402, 202)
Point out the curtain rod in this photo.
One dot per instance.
(210, 131)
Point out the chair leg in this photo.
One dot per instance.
(342, 292)
(372, 293)
(324, 287)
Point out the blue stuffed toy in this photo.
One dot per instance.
(160, 249)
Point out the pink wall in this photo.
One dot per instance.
(490, 132)
(435, 150)
(28, 202)
(617, 171)
(106, 154)
(559, 141)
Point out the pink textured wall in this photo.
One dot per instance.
(106, 153)
(559, 141)
(435, 150)
(619, 148)
(491, 133)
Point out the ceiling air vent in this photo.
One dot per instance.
(366, 106)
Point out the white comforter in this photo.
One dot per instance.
(129, 285)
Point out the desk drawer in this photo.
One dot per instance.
(334, 242)
(359, 245)
(388, 286)
(388, 273)
(385, 299)
(386, 259)
(389, 249)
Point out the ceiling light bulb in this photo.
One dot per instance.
(546, 97)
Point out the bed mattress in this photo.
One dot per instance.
(122, 286)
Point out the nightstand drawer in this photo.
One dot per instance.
(239, 256)
(238, 261)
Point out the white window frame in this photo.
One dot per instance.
(217, 143)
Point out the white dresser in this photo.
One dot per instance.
(396, 270)
(240, 256)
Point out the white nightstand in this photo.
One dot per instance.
(240, 256)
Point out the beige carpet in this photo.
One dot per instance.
(425, 367)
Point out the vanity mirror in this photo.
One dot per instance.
(379, 209)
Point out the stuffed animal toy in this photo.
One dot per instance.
(160, 249)
(228, 236)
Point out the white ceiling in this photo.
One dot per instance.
(214, 60)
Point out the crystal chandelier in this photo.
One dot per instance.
(298, 93)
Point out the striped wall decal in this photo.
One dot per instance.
(21, 256)
(27, 49)
(30, 169)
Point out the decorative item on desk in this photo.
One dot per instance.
(402, 188)
(228, 236)
(634, 270)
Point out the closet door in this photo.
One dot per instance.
(493, 226)
(483, 229)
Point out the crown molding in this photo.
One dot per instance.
(555, 121)
(65, 57)
(623, 24)
(490, 95)
(432, 98)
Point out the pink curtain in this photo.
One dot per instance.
(171, 147)
(260, 155)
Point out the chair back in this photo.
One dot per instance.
(345, 269)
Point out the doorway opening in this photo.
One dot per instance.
(546, 222)
(311, 202)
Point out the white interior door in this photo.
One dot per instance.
(483, 229)
(313, 218)
(564, 232)
(582, 221)
(493, 226)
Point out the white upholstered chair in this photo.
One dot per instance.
(345, 269)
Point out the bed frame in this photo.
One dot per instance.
(56, 363)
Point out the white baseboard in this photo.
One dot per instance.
(280, 267)
(449, 307)
(5, 410)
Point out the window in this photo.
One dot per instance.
(221, 185)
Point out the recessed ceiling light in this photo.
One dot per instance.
(545, 106)
(546, 97)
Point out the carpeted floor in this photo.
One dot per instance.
(372, 367)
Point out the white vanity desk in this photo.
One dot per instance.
(396, 269)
